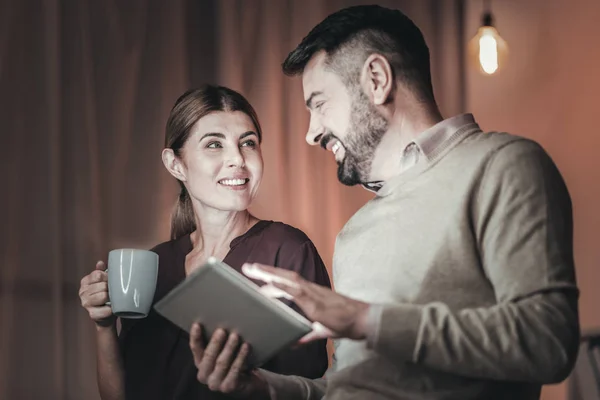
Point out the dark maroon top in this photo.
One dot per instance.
(157, 358)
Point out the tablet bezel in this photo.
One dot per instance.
(279, 325)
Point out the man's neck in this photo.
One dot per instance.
(404, 128)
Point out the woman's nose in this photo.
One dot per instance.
(235, 158)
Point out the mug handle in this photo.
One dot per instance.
(108, 302)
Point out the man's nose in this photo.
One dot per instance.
(315, 132)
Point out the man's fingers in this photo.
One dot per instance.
(223, 362)
(270, 274)
(310, 337)
(231, 381)
(310, 300)
(100, 265)
(274, 292)
(319, 331)
(305, 299)
(285, 273)
(293, 291)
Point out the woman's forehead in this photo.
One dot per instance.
(233, 123)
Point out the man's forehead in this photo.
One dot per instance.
(315, 76)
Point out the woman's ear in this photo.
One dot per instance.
(173, 164)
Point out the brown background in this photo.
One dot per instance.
(85, 89)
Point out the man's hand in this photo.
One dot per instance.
(221, 365)
(334, 315)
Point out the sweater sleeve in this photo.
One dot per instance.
(282, 387)
(522, 221)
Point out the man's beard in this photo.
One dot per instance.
(367, 127)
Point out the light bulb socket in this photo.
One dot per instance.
(487, 19)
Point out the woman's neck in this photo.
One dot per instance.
(216, 229)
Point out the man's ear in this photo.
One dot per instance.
(379, 78)
(173, 164)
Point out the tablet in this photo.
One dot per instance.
(218, 296)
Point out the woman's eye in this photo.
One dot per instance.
(249, 143)
(214, 145)
(319, 105)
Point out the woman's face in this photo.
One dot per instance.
(222, 161)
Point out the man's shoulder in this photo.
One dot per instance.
(495, 140)
(501, 158)
(495, 145)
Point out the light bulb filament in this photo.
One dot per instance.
(488, 53)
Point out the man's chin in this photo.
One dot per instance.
(348, 177)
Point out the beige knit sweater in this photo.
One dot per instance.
(470, 255)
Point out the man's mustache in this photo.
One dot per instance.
(328, 137)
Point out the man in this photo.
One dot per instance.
(457, 280)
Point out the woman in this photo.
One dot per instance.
(212, 147)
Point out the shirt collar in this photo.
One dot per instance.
(430, 140)
(373, 186)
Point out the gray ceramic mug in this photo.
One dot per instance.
(132, 275)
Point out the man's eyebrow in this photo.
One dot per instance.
(310, 99)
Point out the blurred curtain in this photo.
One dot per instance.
(85, 90)
(86, 87)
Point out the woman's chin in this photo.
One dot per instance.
(236, 206)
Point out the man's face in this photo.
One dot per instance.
(342, 120)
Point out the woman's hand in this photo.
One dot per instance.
(93, 293)
(221, 365)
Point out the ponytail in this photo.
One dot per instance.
(182, 220)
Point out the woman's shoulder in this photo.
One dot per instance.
(294, 250)
(288, 240)
(171, 247)
(280, 231)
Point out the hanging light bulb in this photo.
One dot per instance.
(487, 48)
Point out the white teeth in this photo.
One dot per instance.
(233, 182)
(336, 147)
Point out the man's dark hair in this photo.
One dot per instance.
(351, 35)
